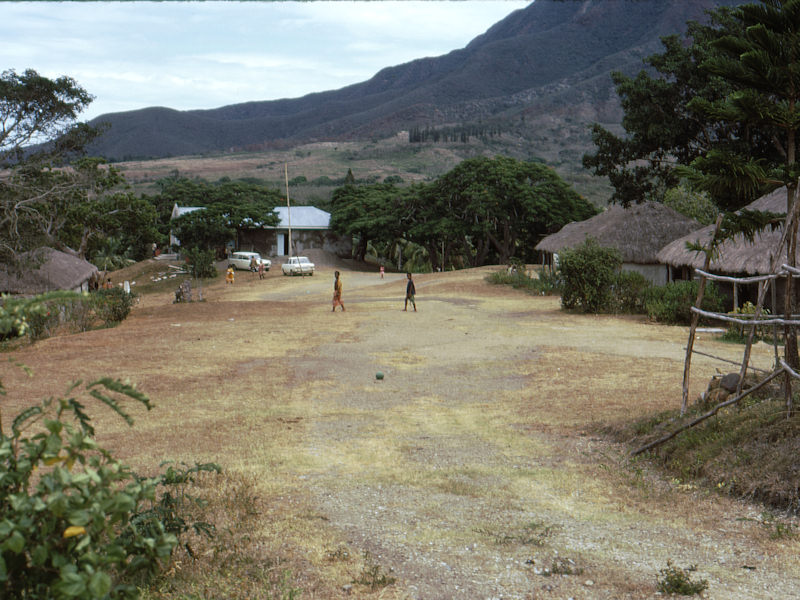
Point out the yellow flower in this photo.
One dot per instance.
(73, 531)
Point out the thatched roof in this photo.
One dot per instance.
(638, 231)
(54, 270)
(736, 255)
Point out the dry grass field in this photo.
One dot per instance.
(475, 469)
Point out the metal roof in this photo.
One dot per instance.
(303, 217)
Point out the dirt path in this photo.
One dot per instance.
(470, 471)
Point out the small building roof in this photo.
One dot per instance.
(55, 270)
(303, 217)
(736, 255)
(178, 211)
(638, 231)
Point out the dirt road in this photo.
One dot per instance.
(473, 470)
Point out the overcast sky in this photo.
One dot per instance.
(187, 55)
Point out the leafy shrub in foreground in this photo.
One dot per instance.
(16, 316)
(588, 272)
(64, 503)
(74, 521)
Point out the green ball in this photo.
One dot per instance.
(379, 375)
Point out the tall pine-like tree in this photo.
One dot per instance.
(762, 66)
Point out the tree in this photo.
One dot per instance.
(38, 133)
(501, 207)
(36, 110)
(377, 213)
(762, 68)
(665, 125)
(484, 209)
(692, 204)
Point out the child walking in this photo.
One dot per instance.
(410, 293)
(337, 292)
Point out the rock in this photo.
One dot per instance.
(729, 382)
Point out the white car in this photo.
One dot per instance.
(241, 260)
(298, 265)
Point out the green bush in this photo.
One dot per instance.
(64, 503)
(588, 272)
(672, 303)
(629, 292)
(675, 580)
(739, 333)
(42, 316)
(114, 305)
(201, 263)
(74, 521)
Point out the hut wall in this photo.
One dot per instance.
(655, 274)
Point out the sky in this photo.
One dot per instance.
(194, 55)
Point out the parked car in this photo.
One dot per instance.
(241, 260)
(298, 265)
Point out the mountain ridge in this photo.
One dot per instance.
(554, 55)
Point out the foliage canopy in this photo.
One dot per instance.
(484, 210)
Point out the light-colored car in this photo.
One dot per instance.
(241, 260)
(298, 265)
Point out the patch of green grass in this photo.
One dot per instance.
(674, 580)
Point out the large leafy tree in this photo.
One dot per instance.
(665, 125)
(38, 134)
(379, 214)
(100, 213)
(500, 207)
(485, 209)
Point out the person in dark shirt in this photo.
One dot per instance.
(410, 292)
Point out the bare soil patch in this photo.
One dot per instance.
(469, 471)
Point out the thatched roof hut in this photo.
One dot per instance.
(736, 256)
(638, 232)
(49, 270)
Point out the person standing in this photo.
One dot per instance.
(337, 292)
(410, 293)
(229, 275)
(382, 271)
(261, 269)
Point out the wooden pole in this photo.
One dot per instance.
(774, 327)
(288, 208)
(696, 317)
(710, 413)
